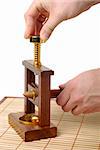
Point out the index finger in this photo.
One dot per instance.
(30, 18)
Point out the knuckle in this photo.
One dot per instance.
(75, 100)
(76, 111)
(85, 107)
(81, 97)
(27, 15)
(58, 101)
(78, 99)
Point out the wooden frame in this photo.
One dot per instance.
(45, 129)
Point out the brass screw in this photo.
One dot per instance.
(37, 47)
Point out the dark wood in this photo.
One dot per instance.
(54, 93)
(44, 99)
(37, 71)
(2, 100)
(29, 77)
(44, 129)
(35, 102)
(29, 132)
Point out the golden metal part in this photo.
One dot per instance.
(29, 119)
(37, 46)
(31, 94)
(35, 120)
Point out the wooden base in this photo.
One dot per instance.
(30, 132)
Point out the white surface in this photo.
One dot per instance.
(73, 47)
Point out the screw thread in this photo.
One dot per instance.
(37, 47)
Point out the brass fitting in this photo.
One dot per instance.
(29, 119)
(37, 46)
(35, 120)
(30, 94)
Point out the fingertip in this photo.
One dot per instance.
(42, 41)
(64, 108)
(29, 32)
(26, 36)
(46, 31)
(44, 36)
(75, 112)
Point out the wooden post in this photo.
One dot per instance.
(44, 99)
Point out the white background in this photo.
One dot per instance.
(73, 47)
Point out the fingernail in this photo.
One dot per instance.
(43, 41)
(44, 37)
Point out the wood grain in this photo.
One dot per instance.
(74, 133)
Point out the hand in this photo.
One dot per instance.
(81, 94)
(44, 15)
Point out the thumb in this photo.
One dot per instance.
(48, 27)
(62, 86)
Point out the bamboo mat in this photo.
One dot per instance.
(74, 133)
